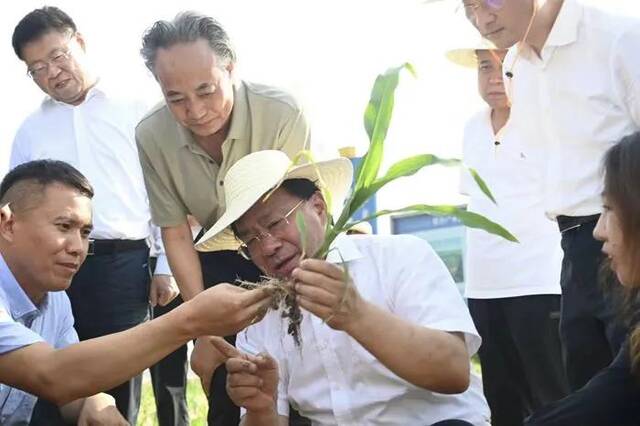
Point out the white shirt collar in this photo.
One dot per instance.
(565, 29)
(96, 89)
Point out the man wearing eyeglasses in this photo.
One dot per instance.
(384, 336)
(573, 77)
(522, 368)
(80, 123)
(208, 121)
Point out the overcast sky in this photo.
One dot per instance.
(326, 52)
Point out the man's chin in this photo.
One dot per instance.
(59, 286)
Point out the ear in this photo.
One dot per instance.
(80, 39)
(318, 204)
(231, 68)
(6, 222)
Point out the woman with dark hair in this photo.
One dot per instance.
(613, 396)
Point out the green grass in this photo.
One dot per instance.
(196, 400)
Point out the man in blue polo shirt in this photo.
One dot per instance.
(45, 222)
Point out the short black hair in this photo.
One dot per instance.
(39, 22)
(300, 187)
(44, 173)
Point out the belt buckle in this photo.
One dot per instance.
(91, 250)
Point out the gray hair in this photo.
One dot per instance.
(186, 27)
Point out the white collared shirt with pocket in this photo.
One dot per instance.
(494, 267)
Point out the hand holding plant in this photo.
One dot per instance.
(323, 290)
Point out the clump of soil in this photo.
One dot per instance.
(283, 298)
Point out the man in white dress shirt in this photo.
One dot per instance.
(573, 77)
(81, 124)
(389, 343)
(510, 286)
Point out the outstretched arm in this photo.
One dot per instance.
(91, 366)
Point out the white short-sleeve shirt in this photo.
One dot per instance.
(333, 380)
(495, 267)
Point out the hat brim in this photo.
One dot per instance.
(467, 56)
(464, 57)
(334, 176)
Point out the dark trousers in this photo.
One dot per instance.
(46, 413)
(589, 327)
(227, 267)
(521, 355)
(169, 377)
(169, 380)
(109, 294)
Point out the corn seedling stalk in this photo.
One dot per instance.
(377, 118)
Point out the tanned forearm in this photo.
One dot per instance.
(432, 359)
(183, 259)
(91, 366)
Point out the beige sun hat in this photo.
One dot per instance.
(466, 56)
(254, 175)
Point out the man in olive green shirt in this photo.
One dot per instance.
(208, 121)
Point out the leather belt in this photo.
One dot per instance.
(101, 247)
(567, 223)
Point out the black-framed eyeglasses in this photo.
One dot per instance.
(273, 229)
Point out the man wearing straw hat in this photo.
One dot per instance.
(387, 343)
(573, 78)
(513, 289)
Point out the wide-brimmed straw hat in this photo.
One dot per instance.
(256, 174)
(466, 56)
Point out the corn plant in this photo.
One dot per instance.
(377, 119)
(368, 182)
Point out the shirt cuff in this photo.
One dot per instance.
(162, 266)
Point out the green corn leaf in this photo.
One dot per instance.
(481, 183)
(302, 229)
(406, 167)
(377, 117)
(470, 219)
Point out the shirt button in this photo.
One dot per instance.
(220, 183)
